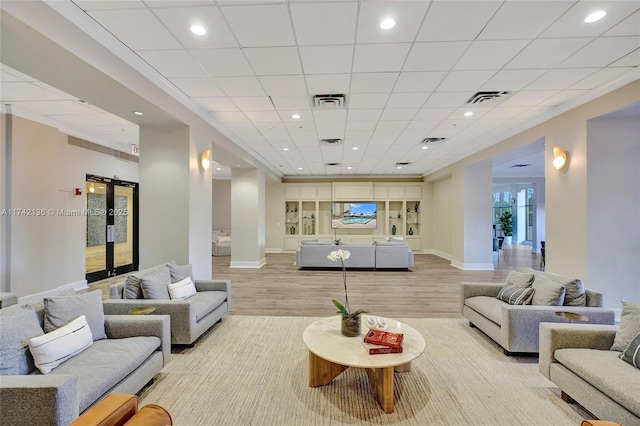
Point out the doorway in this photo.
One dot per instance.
(111, 227)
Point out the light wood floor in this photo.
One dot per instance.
(430, 289)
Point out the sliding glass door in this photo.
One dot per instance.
(112, 227)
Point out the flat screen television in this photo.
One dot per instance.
(354, 216)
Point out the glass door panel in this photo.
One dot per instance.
(123, 224)
(96, 209)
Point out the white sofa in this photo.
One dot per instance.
(221, 242)
(383, 255)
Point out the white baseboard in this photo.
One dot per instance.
(248, 265)
(472, 266)
(70, 288)
(440, 254)
(273, 250)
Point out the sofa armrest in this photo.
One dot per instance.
(39, 399)
(122, 326)
(560, 336)
(468, 290)
(215, 285)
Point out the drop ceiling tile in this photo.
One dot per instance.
(478, 112)
(559, 79)
(598, 78)
(289, 103)
(407, 100)
(323, 24)
(230, 117)
(361, 125)
(296, 126)
(253, 103)
(562, 97)
(180, 19)
(390, 126)
(601, 52)
(407, 14)
(418, 81)
(523, 19)
(547, 53)
(528, 98)
(435, 56)
(489, 55)
(504, 113)
(197, 87)
(240, 86)
(631, 60)
(511, 80)
(137, 28)
(326, 59)
(373, 82)
(334, 115)
(572, 24)
(284, 85)
(380, 57)
(459, 20)
(318, 84)
(100, 4)
(262, 116)
(241, 127)
(367, 100)
(173, 63)
(364, 114)
(423, 125)
(630, 26)
(223, 62)
(434, 112)
(357, 136)
(274, 60)
(25, 91)
(260, 25)
(465, 81)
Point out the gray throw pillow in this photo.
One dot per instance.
(180, 272)
(515, 295)
(632, 353)
(575, 294)
(132, 288)
(154, 286)
(17, 325)
(60, 310)
(547, 292)
(520, 279)
(629, 325)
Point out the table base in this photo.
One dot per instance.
(321, 372)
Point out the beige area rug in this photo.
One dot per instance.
(253, 371)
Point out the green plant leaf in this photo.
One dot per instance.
(358, 312)
(341, 309)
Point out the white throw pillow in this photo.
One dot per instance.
(52, 349)
(182, 289)
(224, 239)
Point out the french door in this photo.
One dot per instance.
(112, 227)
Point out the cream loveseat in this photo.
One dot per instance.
(515, 327)
(579, 360)
(190, 317)
(126, 354)
(220, 242)
(378, 255)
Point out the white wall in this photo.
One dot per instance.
(221, 204)
(441, 208)
(47, 252)
(248, 212)
(613, 209)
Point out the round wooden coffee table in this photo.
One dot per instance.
(331, 353)
(572, 316)
(144, 310)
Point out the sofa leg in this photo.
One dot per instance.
(472, 325)
(566, 398)
(506, 352)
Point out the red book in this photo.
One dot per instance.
(384, 338)
(379, 349)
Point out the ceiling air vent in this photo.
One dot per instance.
(331, 164)
(403, 163)
(331, 142)
(329, 101)
(520, 165)
(432, 140)
(487, 98)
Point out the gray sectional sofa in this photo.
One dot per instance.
(379, 255)
(516, 327)
(578, 359)
(190, 318)
(135, 349)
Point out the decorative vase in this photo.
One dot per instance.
(410, 231)
(393, 230)
(399, 216)
(350, 326)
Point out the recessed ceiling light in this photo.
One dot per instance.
(285, 149)
(299, 168)
(295, 116)
(218, 168)
(596, 16)
(138, 113)
(468, 114)
(237, 165)
(387, 24)
(198, 30)
(355, 148)
(398, 167)
(349, 168)
(425, 147)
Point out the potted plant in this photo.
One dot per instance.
(350, 324)
(506, 224)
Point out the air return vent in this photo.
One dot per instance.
(488, 98)
(432, 140)
(519, 165)
(331, 142)
(329, 101)
(331, 164)
(403, 163)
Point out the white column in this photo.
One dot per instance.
(247, 218)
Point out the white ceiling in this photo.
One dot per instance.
(262, 61)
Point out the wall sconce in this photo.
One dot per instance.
(559, 158)
(204, 159)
